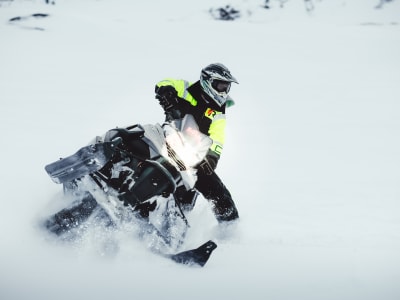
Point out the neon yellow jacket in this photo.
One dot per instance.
(209, 116)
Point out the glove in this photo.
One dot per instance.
(209, 163)
(167, 96)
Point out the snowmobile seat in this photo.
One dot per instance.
(127, 134)
(131, 140)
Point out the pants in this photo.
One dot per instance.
(212, 188)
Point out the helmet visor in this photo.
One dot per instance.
(221, 86)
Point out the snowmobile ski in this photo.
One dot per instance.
(86, 160)
(198, 256)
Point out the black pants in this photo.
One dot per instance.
(212, 188)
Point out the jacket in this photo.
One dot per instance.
(209, 116)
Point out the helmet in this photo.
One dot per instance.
(216, 79)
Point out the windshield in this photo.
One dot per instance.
(185, 139)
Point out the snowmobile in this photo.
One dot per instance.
(140, 174)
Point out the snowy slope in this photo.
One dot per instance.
(311, 158)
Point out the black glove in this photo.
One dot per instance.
(209, 163)
(167, 96)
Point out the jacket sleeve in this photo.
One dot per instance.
(181, 88)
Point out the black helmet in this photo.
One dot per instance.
(216, 79)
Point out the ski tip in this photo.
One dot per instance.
(195, 257)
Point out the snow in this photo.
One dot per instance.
(312, 155)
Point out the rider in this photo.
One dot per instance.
(206, 100)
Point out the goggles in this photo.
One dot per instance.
(221, 86)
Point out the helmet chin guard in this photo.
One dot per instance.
(216, 79)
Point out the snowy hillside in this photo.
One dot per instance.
(312, 156)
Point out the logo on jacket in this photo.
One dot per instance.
(210, 113)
